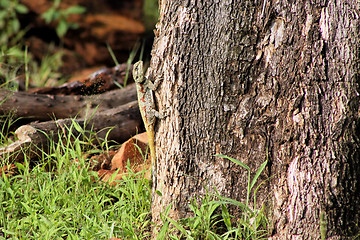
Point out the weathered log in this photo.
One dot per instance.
(45, 107)
(116, 124)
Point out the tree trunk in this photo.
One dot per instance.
(279, 81)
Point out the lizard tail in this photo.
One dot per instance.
(150, 134)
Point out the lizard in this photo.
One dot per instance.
(145, 88)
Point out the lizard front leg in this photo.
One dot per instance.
(153, 85)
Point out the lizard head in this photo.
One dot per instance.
(138, 72)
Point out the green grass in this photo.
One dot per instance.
(211, 218)
(37, 204)
(57, 196)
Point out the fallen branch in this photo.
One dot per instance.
(122, 122)
(45, 107)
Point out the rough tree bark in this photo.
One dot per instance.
(248, 81)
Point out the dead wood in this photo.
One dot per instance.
(116, 124)
(44, 107)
